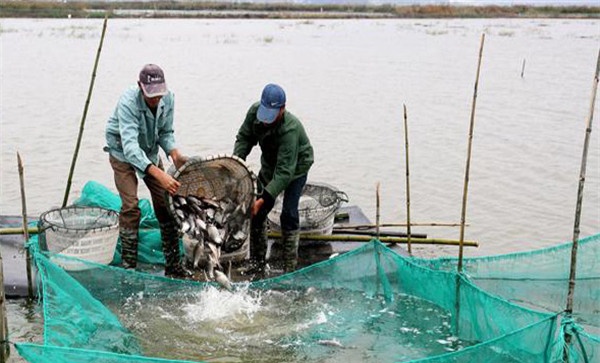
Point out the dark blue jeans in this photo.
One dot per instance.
(290, 219)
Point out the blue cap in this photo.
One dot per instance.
(271, 101)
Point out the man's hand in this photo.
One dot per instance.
(256, 206)
(165, 180)
(178, 158)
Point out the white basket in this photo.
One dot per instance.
(316, 208)
(86, 233)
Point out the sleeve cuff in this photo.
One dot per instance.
(269, 201)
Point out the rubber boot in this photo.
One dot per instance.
(170, 246)
(290, 240)
(276, 254)
(258, 248)
(129, 246)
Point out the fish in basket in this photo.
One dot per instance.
(212, 208)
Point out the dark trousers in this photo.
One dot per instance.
(126, 182)
(290, 220)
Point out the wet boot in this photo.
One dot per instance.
(258, 249)
(290, 240)
(276, 254)
(170, 246)
(129, 246)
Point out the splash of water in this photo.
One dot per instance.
(214, 304)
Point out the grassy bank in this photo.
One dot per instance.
(174, 9)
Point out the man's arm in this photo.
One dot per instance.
(245, 139)
(129, 125)
(165, 180)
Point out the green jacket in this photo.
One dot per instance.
(286, 150)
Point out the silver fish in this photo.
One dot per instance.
(330, 343)
(181, 201)
(210, 268)
(210, 202)
(189, 246)
(198, 253)
(222, 279)
(214, 235)
(185, 226)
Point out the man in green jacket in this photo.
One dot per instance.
(286, 157)
(141, 123)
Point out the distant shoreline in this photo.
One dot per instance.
(227, 10)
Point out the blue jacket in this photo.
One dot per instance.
(133, 133)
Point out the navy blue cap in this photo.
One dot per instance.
(271, 101)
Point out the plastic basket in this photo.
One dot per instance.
(317, 207)
(218, 178)
(87, 233)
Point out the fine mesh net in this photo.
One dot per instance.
(539, 278)
(367, 305)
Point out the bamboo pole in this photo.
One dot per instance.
(11, 230)
(351, 238)
(25, 229)
(468, 166)
(363, 232)
(377, 215)
(34, 230)
(85, 110)
(383, 225)
(465, 190)
(4, 346)
(407, 182)
(586, 142)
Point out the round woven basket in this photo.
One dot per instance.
(317, 207)
(87, 233)
(218, 178)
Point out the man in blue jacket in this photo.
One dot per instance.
(286, 157)
(141, 123)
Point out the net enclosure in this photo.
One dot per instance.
(367, 305)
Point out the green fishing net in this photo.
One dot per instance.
(367, 305)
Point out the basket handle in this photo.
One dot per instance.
(341, 196)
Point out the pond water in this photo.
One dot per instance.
(325, 325)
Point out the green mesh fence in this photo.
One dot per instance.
(538, 279)
(367, 305)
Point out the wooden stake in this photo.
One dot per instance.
(586, 142)
(4, 346)
(383, 225)
(407, 182)
(349, 238)
(85, 110)
(34, 230)
(377, 211)
(25, 229)
(464, 200)
(523, 68)
(468, 166)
